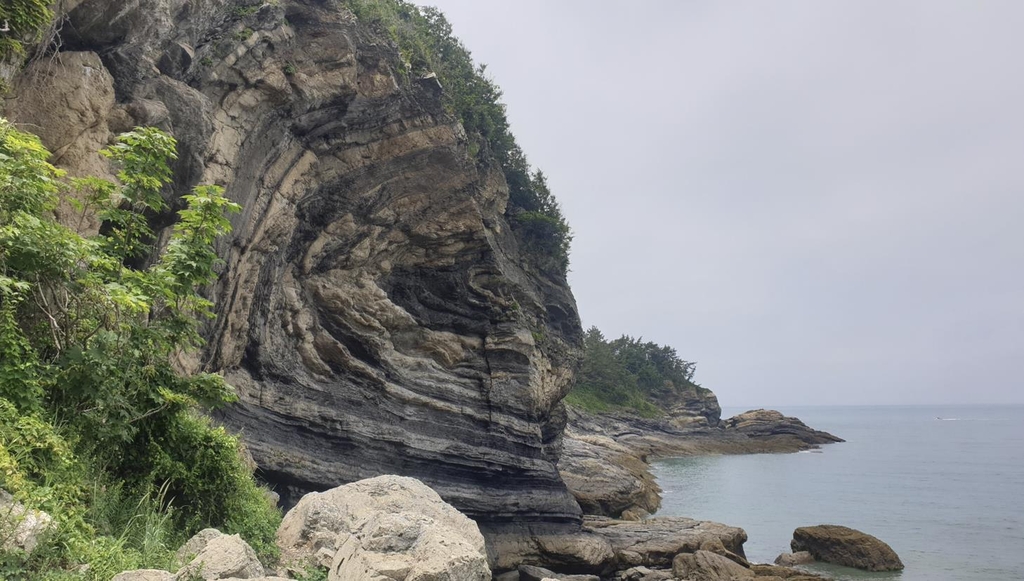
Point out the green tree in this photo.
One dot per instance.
(88, 343)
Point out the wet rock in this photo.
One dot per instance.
(845, 546)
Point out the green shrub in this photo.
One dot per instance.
(97, 427)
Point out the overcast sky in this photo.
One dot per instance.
(819, 202)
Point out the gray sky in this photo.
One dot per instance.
(819, 202)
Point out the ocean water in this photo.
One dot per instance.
(947, 494)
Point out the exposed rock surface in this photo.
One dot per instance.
(655, 542)
(531, 573)
(221, 557)
(385, 527)
(845, 546)
(144, 575)
(708, 566)
(20, 527)
(607, 478)
(604, 459)
(765, 424)
(791, 559)
(375, 313)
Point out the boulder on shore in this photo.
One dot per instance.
(389, 527)
(654, 542)
(845, 546)
(219, 556)
(708, 566)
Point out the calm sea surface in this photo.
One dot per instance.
(947, 494)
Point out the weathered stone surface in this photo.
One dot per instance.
(222, 557)
(144, 575)
(645, 574)
(375, 313)
(770, 423)
(708, 566)
(791, 559)
(509, 545)
(845, 546)
(655, 542)
(607, 478)
(389, 526)
(604, 459)
(195, 545)
(532, 573)
(21, 528)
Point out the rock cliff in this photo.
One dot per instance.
(374, 311)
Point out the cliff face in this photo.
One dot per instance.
(374, 311)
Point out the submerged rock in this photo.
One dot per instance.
(845, 546)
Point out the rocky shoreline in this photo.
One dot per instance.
(605, 459)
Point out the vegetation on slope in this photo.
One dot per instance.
(628, 374)
(425, 40)
(97, 426)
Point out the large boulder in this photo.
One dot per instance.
(845, 546)
(708, 566)
(221, 557)
(21, 528)
(389, 527)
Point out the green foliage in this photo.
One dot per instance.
(27, 19)
(630, 374)
(87, 341)
(244, 34)
(313, 573)
(427, 44)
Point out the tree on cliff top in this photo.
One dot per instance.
(427, 44)
(630, 374)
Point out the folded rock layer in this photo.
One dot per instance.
(374, 311)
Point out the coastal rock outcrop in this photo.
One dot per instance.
(845, 546)
(655, 542)
(765, 424)
(376, 312)
(604, 458)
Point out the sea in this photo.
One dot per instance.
(942, 485)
